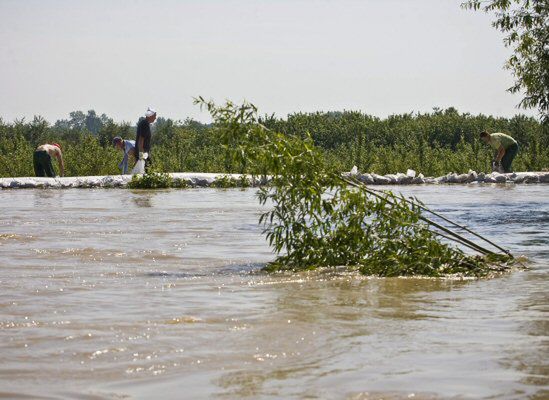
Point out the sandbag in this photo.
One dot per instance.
(139, 167)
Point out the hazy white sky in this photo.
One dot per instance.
(378, 56)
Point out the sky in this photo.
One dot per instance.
(119, 57)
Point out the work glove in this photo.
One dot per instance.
(496, 167)
(143, 156)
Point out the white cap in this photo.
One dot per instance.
(150, 112)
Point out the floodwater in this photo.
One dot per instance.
(119, 294)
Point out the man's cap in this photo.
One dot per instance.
(150, 112)
(116, 140)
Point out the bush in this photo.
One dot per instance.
(226, 181)
(316, 218)
(154, 180)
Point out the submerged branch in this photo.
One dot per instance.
(376, 232)
(421, 206)
(457, 237)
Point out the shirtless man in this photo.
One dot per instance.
(42, 160)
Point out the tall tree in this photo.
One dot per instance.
(92, 122)
(526, 26)
(77, 120)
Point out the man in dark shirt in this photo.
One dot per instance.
(143, 138)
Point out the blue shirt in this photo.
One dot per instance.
(129, 145)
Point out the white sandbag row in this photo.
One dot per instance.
(410, 178)
(207, 179)
(66, 182)
(113, 181)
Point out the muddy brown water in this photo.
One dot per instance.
(118, 294)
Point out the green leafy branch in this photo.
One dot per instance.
(319, 218)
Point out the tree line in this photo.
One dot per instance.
(433, 143)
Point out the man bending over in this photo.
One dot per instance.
(128, 147)
(506, 148)
(42, 160)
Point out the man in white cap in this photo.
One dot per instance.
(143, 138)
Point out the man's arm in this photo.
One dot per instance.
(501, 153)
(59, 157)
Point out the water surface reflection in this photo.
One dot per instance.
(148, 294)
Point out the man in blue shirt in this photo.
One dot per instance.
(128, 147)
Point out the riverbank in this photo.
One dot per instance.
(197, 179)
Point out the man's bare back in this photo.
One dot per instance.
(42, 160)
(52, 150)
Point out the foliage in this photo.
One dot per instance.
(243, 182)
(317, 219)
(178, 183)
(88, 157)
(153, 180)
(434, 143)
(226, 181)
(16, 156)
(526, 26)
(182, 148)
(80, 121)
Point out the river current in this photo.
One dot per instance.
(120, 294)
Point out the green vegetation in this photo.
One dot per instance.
(525, 24)
(435, 143)
(226, 182)
(162, 180)
(153, 180)
(320, 219)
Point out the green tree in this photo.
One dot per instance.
(107, 132)
(526, 26)
(317, 218)
(77, 120)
